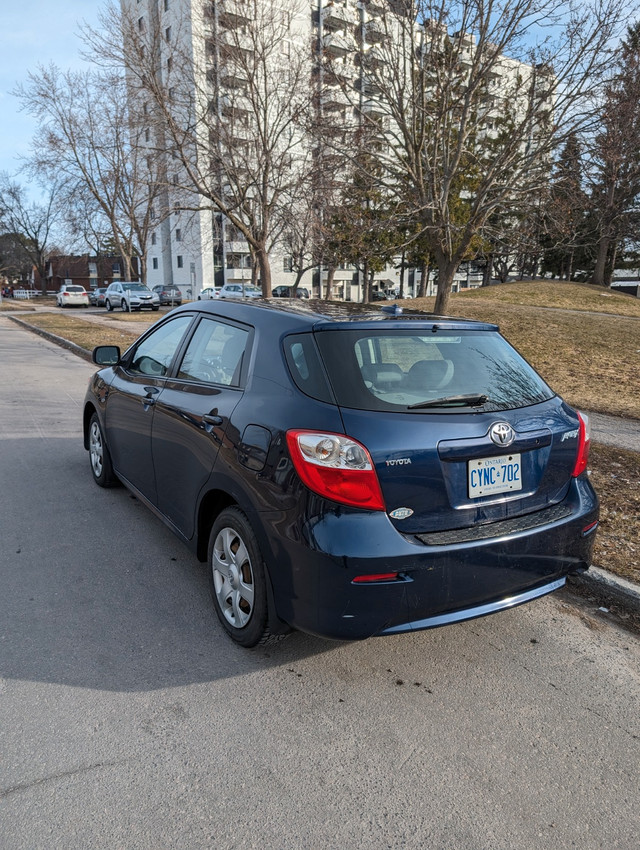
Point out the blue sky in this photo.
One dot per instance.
(34, 32)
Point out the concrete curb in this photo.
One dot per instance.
(608, 591)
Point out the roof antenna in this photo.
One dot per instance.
(395, 310)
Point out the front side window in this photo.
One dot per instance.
(404, 370)
(155, 352)
(215, 353)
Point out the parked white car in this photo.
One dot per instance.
(238, 290)
(209, 292)
(130, 296)
(72, 295)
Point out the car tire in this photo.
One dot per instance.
(99, 456)
(237, 579)
(124, 306)
(108, 305)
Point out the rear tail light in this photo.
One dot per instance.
(336, 467)
(584, 444)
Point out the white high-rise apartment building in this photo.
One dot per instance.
(194, 248)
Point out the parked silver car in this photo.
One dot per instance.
(130, 296)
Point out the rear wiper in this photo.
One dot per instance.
(452, 401)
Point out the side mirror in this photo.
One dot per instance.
(106, 355)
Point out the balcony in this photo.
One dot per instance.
(236, 47)
(374, 33)
(338, 45)
(233, 14)
(373, 109)
(233, 78)
(335, 17)
(375, 8)
(334, 102)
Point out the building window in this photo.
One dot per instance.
(167, 34)
(153, 238)
(179, 261)
(147, 134)
(154, 262)
(178, 235)
(166, 5)
(169, 64)
(287, 264)
(140, 24)
(145, 108)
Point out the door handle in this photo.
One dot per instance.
(212, 420)
(149, 399)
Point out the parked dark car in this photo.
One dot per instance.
(287, 292)
(96, 296)
(170, 295)
(346, 470)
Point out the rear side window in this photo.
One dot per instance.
(305, 366)
(382, 370)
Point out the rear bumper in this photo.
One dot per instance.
(314, 563)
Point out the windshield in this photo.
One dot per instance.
(135, 287)
(428, 372)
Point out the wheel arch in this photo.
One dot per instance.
(211, 505)
(89, 410)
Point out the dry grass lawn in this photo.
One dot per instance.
(616, 476)
(81, 330)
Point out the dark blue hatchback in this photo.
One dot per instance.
(346, 471)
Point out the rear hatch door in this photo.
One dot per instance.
(460, 428)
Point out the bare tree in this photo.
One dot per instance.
(30, 223)
(89, 136)
(470, 132)
(227, 96)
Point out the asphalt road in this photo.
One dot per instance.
(128, 720)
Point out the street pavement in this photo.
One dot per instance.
(129, 720)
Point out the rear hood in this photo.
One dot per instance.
(422, 461)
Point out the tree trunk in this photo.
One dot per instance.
(601, 261)
(424, 279)
(446, 271)
(330, 275)
(264, 268)
(487, 272)
(611, 265)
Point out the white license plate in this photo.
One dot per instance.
(489, 475)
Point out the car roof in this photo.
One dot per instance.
(320, 315)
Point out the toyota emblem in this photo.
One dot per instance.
(502, 434)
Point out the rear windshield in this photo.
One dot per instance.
(74, 289)
(393, 370)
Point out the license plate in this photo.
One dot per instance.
(489, 475)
